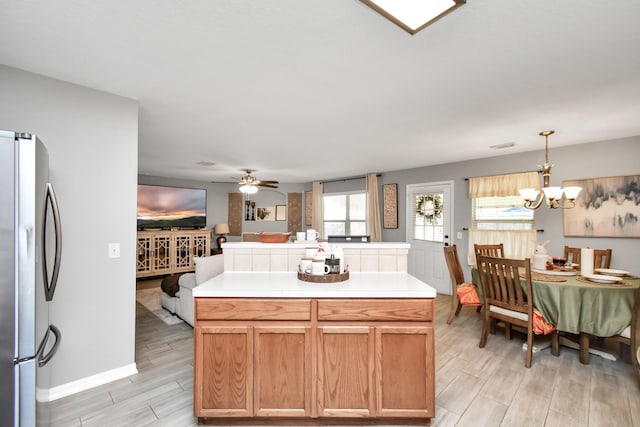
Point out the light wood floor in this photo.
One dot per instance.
(474, 386)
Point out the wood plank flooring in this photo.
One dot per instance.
(474, 386)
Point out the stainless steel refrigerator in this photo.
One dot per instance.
(30, 254)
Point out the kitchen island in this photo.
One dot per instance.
(271, 349)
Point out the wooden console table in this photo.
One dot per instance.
(170, 251)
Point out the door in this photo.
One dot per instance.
(429, 224)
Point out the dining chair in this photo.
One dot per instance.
(635, 337)
(505, 299)
(495, 250)
(631, 336)
(601, 257)
(457, 280)
(573, 253)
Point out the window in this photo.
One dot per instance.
(501, 213)
(428, 221)
(345, 214)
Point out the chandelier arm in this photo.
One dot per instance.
(534, 204)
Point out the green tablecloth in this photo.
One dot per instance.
(575, 306)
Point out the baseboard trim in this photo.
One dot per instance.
(86, 383)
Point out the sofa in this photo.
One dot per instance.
(182, 304)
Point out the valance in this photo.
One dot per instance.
(502, 185)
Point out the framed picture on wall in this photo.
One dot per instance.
(606, 207)
(308, 207)
(390, 205)
(266, 213)
(281, 212)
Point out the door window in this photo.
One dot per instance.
(428, 218)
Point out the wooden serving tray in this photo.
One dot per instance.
(324, 278)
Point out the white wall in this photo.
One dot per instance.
(92, 139)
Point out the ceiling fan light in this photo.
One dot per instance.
(248, 189)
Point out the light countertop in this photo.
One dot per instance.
(309, 244)
(286, 285)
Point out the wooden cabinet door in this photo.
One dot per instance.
(162, 253)
(345, 371)
(282, 371)
(182, 252)
(143, 254)
(405, 367)
(200, 244)
(223, 365)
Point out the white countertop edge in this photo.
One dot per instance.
(287, 285)
(302, 245)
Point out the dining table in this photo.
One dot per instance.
(578, 305)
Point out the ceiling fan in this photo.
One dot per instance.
(249, 184)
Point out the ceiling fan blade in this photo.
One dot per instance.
(266, 185)
(266, 182)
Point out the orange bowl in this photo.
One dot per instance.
(274, 237)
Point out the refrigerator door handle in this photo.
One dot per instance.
(51, 201)
(43, 359)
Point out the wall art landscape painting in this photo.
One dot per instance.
(606, 207)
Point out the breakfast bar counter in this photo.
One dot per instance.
(287, 285)
(272, 349)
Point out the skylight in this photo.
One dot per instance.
(413, 15)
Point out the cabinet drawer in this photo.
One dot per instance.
(252, 309)
(376, 309)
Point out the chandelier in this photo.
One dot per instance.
(533, 198)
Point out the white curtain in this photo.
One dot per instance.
(502, 185)
(518, 244)
(317, 216)
(373, 208)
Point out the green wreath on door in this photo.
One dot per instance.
(429, 207)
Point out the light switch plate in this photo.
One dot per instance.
(114, 250)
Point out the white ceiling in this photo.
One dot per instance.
(303, 90)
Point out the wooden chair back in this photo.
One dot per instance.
(572, 254)
(455, 268)
(457, 278)
(495, 250)
(500, 278)
(601, 257)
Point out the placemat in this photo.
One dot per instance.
(540, 277)
(585, 280)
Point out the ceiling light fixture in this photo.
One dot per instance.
(502, 146)
(533, 198)
(413, 15)
(248, 189)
